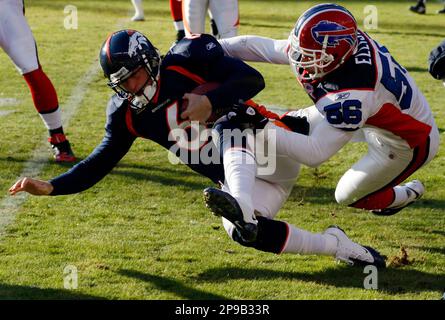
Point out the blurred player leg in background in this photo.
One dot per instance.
(224, 17)
(193, 13)
(176, 11)
(17, 41)
(441, 11)
(138, 10)
(420, 7)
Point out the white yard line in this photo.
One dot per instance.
(6, 112)
(32, 168)
(8, 102)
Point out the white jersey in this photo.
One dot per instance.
(370, 95)
(371, 90)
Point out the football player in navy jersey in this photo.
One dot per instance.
(150, 92)
(360, 93)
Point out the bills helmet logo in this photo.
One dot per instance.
(334, 33)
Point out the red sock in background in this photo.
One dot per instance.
(42, 90)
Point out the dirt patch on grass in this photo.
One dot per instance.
(400, 260)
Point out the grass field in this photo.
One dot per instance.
(144, 233)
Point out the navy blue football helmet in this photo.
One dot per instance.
(437, 62)
(122, 54)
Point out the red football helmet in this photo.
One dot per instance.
(323, 38)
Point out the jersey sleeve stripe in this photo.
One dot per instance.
(129, 122)
(390, 118)
(187, 73)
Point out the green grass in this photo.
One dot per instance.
(144, 233)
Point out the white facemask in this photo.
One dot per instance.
(140, 101)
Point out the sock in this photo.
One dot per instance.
(44, 97)
(52, 120)
(176, 10)
(304, 242)
(179, 25)
(240, 171)
(137, 4)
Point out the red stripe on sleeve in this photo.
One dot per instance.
(392, 119)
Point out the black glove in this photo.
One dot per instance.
(296, 124)
(247, 117)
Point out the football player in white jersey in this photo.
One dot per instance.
(17, 41)
(358, 89)
(223, 14)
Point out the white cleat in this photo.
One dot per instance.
(138, 17)
(415, 191)
(352, 253)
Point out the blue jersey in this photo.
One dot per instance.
(187, 65)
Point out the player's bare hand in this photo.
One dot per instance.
(32, 186)
(199, 107)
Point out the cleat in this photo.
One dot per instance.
(180, 34)
(61, 148)
(138, 17)
(418, 8)
(441, 11)
(415, 187)
(354, 254)
(222, 204)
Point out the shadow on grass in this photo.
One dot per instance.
(16, 292)
(325, 195)
(319, 195)
(164, 179)
(172, 286)
(393, 281)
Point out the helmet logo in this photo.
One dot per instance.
(334, 33)
(136, 39)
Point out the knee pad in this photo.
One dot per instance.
(342, 197)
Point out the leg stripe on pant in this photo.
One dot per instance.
(383, 197)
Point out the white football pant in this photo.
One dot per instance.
(16, 37)
(223, 12)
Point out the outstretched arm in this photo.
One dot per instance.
(32, 186)
(83, 175)
(256, 49)
(314, 149)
